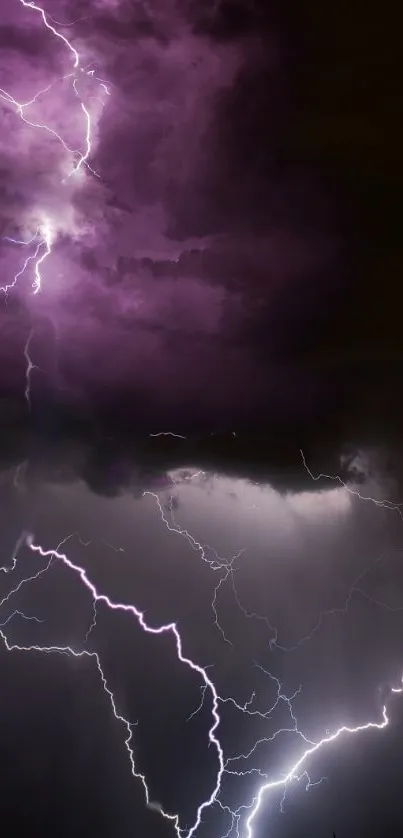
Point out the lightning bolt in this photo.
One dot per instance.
(385, 504)
(168, 628)
(299, 769)
(224, 566)
(30, 367)
(293, 773)
(41, 252)
(46, 231)
(241, 819)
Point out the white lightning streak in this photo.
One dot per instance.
(169, 628)
(224, 565)
(28, 4)
(293, 772)
(386, 504)
(243, 824)
(168, 433)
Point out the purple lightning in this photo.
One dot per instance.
(242, 819)
(30, 367)
(46, 228)
(42, 250)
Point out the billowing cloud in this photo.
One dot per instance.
(156, 274)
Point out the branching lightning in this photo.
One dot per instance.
(385, 504)
(242, 819)
(46, 228)
(299, 770)
(45, 231)
(169, 628)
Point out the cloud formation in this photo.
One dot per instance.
(203, 280)
(156, 268)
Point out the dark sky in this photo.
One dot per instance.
(200, 401)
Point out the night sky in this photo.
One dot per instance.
(201, 462)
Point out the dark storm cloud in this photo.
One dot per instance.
(232, 279)
(20, 40)
(183, 198)
(48, 448)
(235, 277)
